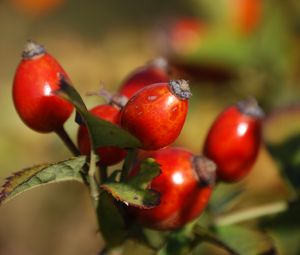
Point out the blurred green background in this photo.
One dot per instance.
(99, 43)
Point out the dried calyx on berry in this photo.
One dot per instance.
(32, 50)
(250, 107)
(180, 88)
(118, 101)
(205, 170)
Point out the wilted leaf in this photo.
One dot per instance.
(111, 222)
(103, 133)
(19, 182)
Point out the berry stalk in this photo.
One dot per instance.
(63, 135)
(94, 190)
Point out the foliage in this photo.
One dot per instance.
(253, 229)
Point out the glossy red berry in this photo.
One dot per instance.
(36, 77)
(234, 139)
(109, 155)
(185, 185)
(154, 72)
(156, 114)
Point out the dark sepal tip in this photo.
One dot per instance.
(156, 202)
(63, 83)
(250, 106)
(78, 119)
(205, 170)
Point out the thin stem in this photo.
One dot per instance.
(251, 213)
(103, 173)
(63, 135)
(94, 189)
(128, 163)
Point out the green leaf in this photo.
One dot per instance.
(223, 47)
(128, 163)
(283, 141)
(175, 246)
(19, 182)
(102, 132)
(149, 169)
(135, 192)
(285, 230)
(178, 242)
(111, 222)
(202, 234)
(287, 155)
(154, 238)
(245, 241)
(225, 197)
(131, 195)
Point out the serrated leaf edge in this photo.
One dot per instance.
(118, 198)
(4, 194)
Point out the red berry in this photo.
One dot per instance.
(185, 34)
(234, 139)
(246, 14)
(154, 72)
(37, 7)
(156, 114)
(108, 155)
(37, 76)
(185, 185)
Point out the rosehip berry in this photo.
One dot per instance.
(154, 72)
(246, 14)
(109, 155)
(234, 139)
(185, 34)
(156, 113)
(185, 185)
(37, 76)
(37, 7)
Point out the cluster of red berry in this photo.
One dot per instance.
(155, 111)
